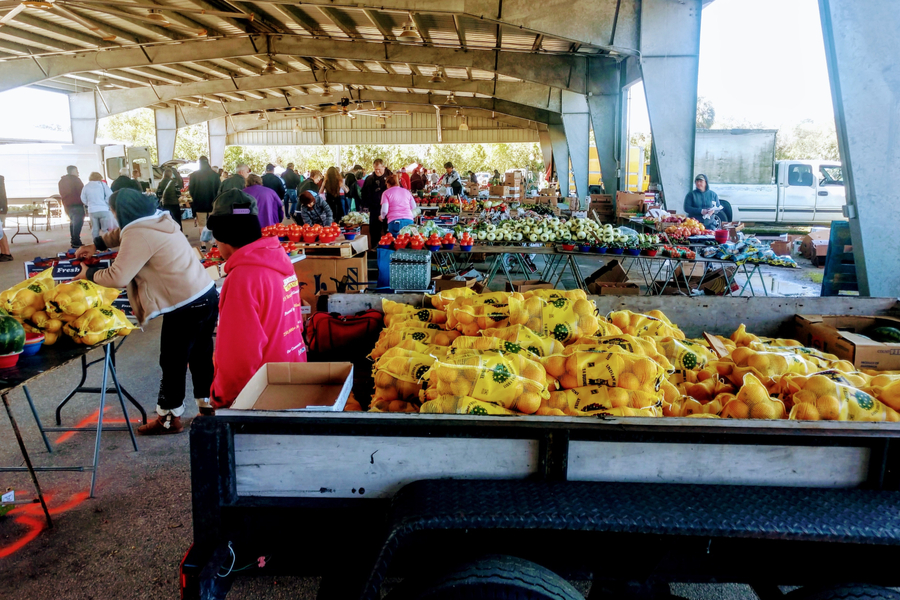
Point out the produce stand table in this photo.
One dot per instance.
(17, 215)
(48, 360)
(625, 501)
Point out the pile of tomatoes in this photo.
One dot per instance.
(679, 252)
(466, 241)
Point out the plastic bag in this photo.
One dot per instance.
(652, 324)
(886, 388)
(97, 325)
(528, 339)
(41, 322)
(612, 369)
(592, 399)
(76, 297)
(753, 402)
(27, 297)
(463, 405)
(828, 396)
(443, 299)
(206, 235)
(465, 344)
(510, 380)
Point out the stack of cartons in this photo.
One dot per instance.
(602, 206)
(629, 205)
(516, 186)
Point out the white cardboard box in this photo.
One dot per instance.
(297, 387)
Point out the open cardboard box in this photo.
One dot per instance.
(843, 336)
(448, 282)
(611, 280)
(527, 286)
(297, 387)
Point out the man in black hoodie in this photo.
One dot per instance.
(203, 187)
(273, 181)
(291, 182)
(374, 186)
(123, 181)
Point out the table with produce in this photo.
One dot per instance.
(548, 353)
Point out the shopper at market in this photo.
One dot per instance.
(451, 179)
(416, 181)
(238, 181)
(701, 202)
(404, 179)
(354, 200)
(260, 318)
(95, 197)
(291, 182)
(313, 210)
(125, 180)
(273, 181)
(70, 187)
(5, 254)
(397, 206)
(162, 275)
(312, 183)
(372, 190)
(168, 191)
(495, 178)
(203, 187)
(473, 178)
(335, 193)
(269, 206)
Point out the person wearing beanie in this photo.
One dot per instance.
(702, 203)
(163, 277)
(260, 309)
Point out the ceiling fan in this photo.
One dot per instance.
(155, 14)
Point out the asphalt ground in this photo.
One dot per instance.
(127, 542)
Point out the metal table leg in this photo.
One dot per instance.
(37, 419)
(34, 479)
(492, 271)
(112, 369)
(96, 463)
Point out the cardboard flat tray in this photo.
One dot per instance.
(341, 247)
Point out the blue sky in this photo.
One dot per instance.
(762, 61)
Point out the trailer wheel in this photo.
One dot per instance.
(861, 591)
(492, 578)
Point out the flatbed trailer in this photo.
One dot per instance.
(456, 506)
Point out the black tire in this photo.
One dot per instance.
(862, 591)
(491, 578)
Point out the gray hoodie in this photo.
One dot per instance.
(696, 201)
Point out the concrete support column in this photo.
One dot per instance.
(216, 130)
(83, 117)
(603, 105)
(865, 89)
(577, 125)
(670, 49)
(166, 132)
(560, 154)
(546, 152)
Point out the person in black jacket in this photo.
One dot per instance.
(291, 182)
(203, 187)
(168, 192)
(273, 181)
(372, 190)
(124, 180)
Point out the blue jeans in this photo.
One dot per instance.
(290, 202)
(345, 203)
(394, 227)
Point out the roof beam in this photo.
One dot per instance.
(377, 22)
(460, 34)
(34, 38)
(336, 18)
(423, 33)
(72, 34)
(562, 71)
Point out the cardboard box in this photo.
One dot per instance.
(550, 200)
(499, 190)
(602, 199)
(629, 204)
(514, 178)
(447, 282)
(297, 387)
(526, 286)
(815, 243)
(625, 288)
(843, 336)
(611, 280)
(64, 270)
(667, 288)
(317, 273)
(692, 271)
(781, 248)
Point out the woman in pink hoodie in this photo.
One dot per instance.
(259, 305)
(398, 206)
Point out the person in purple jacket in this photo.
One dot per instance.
(269, 205)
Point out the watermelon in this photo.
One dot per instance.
(885, 335)
(12, 336)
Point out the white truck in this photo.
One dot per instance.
(32, 171)
(742, 170)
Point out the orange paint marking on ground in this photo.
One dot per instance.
(32, 517)
(90, 420)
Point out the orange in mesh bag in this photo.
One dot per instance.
(528, 339)
(395, 312)
(828, 396)
(466, 344)
(414, 325)
(611, 369)
(753, 402)
(480, 299)
(707, 386)
(442, 299)
(593, 399)
(547, 295)
(97, 325)
(886, 388)
(563, 319)
(76, 297)
(394, 406)
(686, 406)
(464, 405)
(400, 377)
(473, 319)
(621, 343)
(509, 380)
(652, 324)
(425, 336)
(767, 367)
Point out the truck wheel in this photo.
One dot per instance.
(843, 592)
(492, 578)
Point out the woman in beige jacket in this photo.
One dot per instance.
(162, 275)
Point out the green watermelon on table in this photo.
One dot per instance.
(12, 336)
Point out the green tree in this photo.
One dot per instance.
(706, 113)
(807, 140)
(138, 128)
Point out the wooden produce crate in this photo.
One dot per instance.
(341, 247)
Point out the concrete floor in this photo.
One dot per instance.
(128, 541)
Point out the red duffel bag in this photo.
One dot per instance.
(331, 337)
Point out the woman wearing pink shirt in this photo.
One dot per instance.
(397, 206)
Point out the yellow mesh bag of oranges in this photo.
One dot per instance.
(605, 328)
(828, 396)
(394, 406)
(471, 320)
(621, 343)
(395, 312)
(685, 355)
(547, 295)
(424, 336)
(442, 299)
(97, 325)
(415, 324)
(742, 338)
(707, 386)
(466, 344)
(611, 369)
(562, 319)
(510, 380)
(480, 299)
(822, 360)
(753, 402)
(768, 367)
(400, 377)
(528, 339)
(403, 352)
(41, 322)
(592, 399)
(27, 297)
(653, 324)
(886, 388)
(463, 405)
(76, 297)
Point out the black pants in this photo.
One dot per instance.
(187, 339)
(76, 218)
(175, 211)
